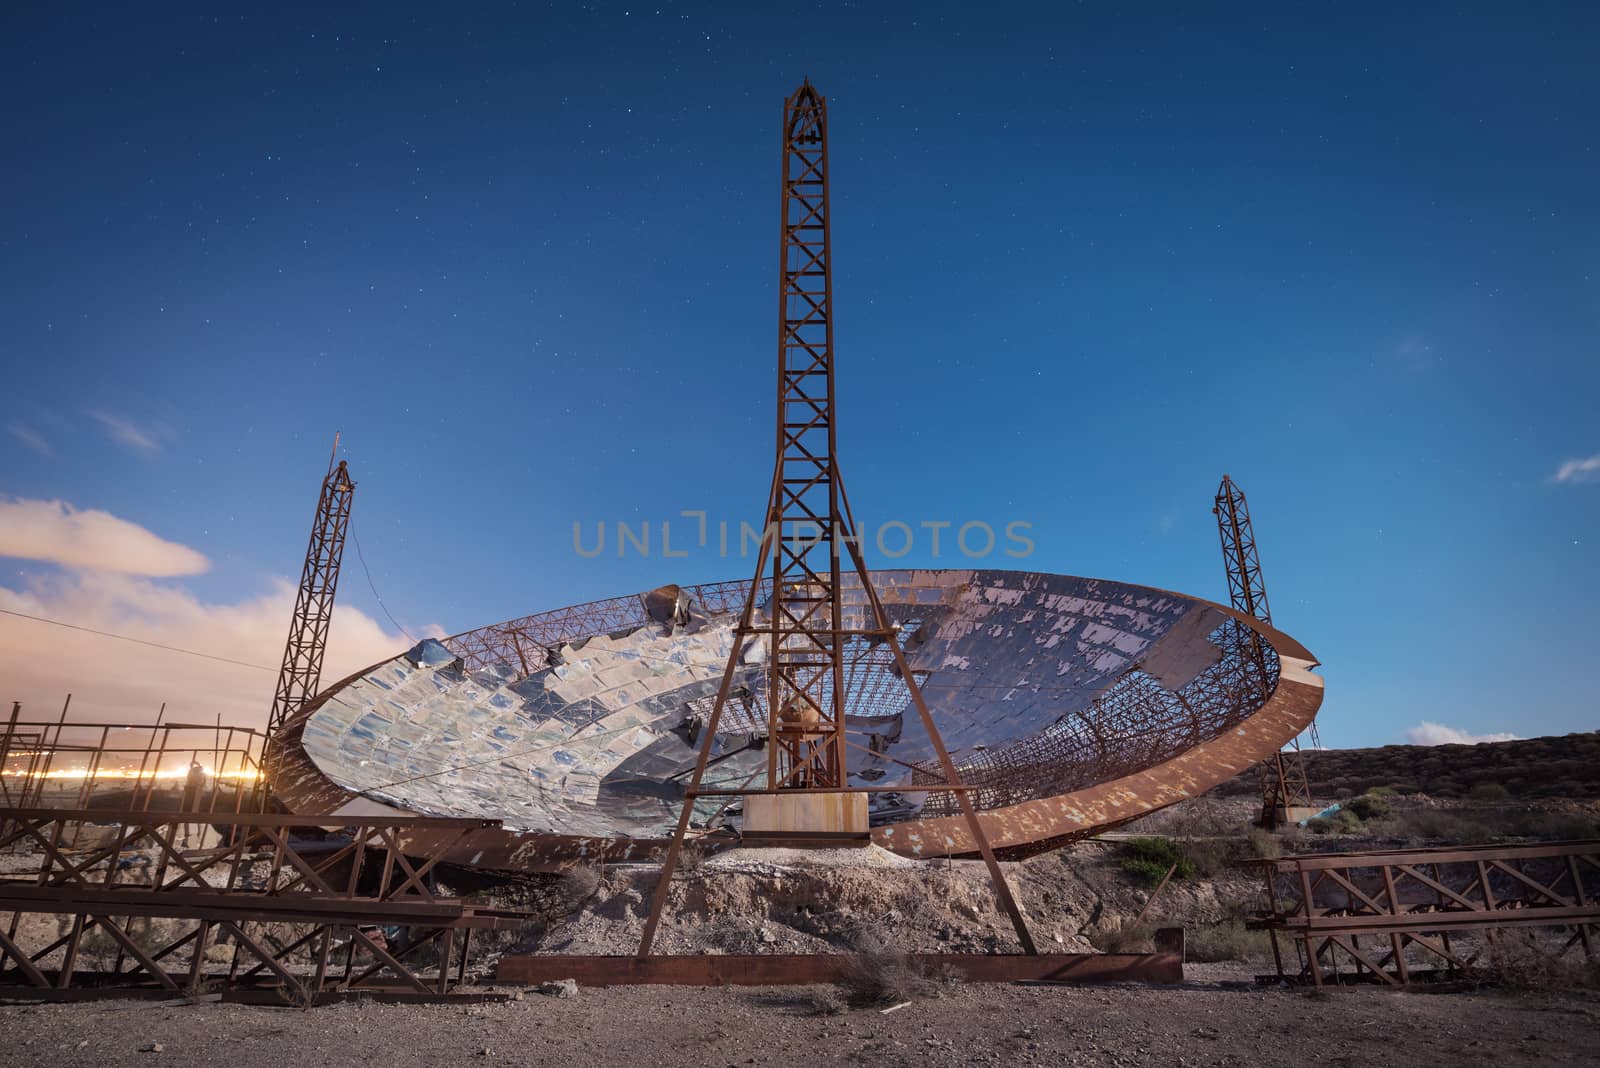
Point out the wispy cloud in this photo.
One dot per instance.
(1585, 470)
(1430, 733)
(30, 437)
(125, 432)
(115, 680)
(58, 533)
(110, 579)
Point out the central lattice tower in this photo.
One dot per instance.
(808, 629)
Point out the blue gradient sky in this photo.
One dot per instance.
(1087, 260)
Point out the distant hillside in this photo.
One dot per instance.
(1566, 766)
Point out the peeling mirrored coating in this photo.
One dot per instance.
(584, 721)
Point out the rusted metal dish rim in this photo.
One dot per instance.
(1288, 711)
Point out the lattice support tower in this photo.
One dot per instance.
(809, 527)
(1283, 779)
(301, 671)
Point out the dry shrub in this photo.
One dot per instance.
(827, 1001)
(1547, 826)
(1263, 844)
(557, 898)
(1480, 825)
(1134, 938)
(1523, 960)
(575, 887)
(1195, 820)
(692, 857)
(880, 975)
(1229, 940)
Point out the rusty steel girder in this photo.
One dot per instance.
(1402, 915)
(300, 909)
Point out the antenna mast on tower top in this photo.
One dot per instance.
(1284, 783)
(301, 671)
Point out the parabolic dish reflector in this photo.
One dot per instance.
(1070, 704)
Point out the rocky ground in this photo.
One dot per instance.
(1204, 1022)
(1077, 899)
(783, 901)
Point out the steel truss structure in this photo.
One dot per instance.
(809, 524)
(805, 517)
(301, 671)
(1283, 779)
(299, 914)
(1398, 916)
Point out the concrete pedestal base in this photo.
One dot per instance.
(798, 818)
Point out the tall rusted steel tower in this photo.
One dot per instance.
(805, 682)
(1284, 784)
(809, 525)
(301, 671)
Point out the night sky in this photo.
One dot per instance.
(1087, 259)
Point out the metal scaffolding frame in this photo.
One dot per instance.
(288, 904)
(1412, 906)
(133, 767)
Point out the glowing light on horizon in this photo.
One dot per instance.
(243, 774)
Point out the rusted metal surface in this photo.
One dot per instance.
(303, 913)
(805, 626)
(1397, 916)
(802, 969)
(301, 671)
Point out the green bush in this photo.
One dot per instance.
(1319, 825)
(1383, 791)
(1369, 807)
(1346, 821)
(1489, 791)
(1149, 859)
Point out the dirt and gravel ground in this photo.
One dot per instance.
(778, 901)
(1203, 1022)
